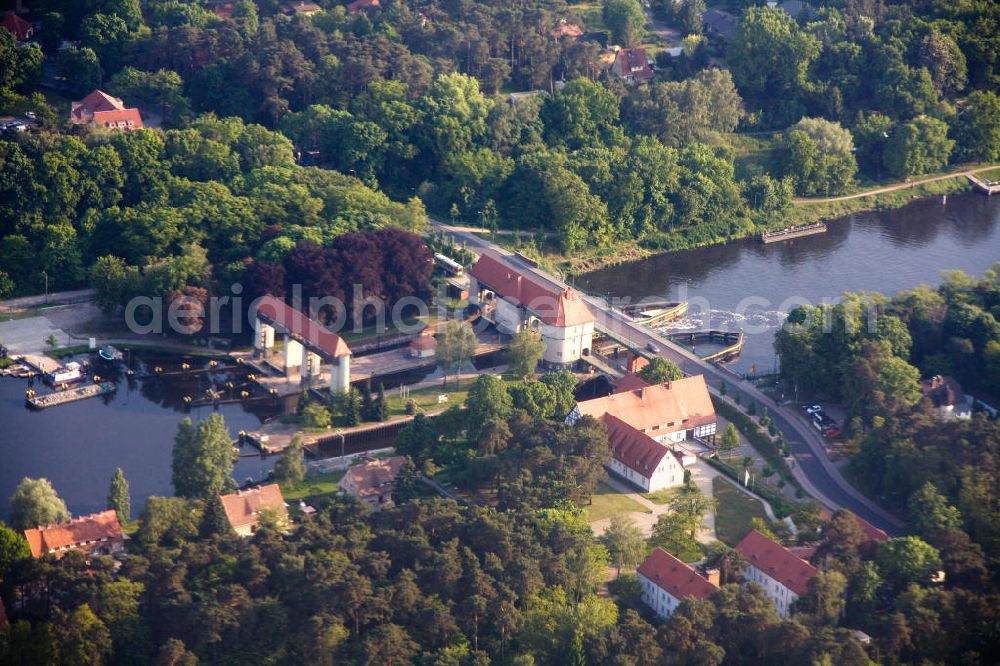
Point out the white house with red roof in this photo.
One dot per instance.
(243, 508)
(100, 108)
(514, 299)
(94, 534)
(641, 459)
(782, 575)
(670, 412)
(665, 581)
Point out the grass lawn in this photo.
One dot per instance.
(751, 152)
(313, 486)
(990, 175)
(661, 496)
(609, 502)
(734, 512)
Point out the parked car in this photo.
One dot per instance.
(653, 348)
(833, 432)
(30, 115)
(17, 126)
(812, 409)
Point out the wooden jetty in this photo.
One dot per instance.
(732, 342)
(656, 312)
(69, 395)
(988, 187)
(793, 232)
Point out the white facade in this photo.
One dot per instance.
(668, 474)
(662, 602)
(566, 344)
(782, 597)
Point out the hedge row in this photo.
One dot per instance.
(758, 438)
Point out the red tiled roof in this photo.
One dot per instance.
(776, 561)
(358, 5)
(565, 29)
(632, 448)
(17, 26)
(302, 328)
(243, 507)
(74, 532)
(375, 477)
(630, 382)
(679, 405)
(129, 118)
(944, 391)
(874, 534)
(675, 577)
(633, 62)
(424, 342)
(98, 100)
(553, 306)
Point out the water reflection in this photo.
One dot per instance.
(882, 251)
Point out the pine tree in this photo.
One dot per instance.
(118, 496)
(213, 519)
(406, 485)
(367, 413)
(380, 409)
(352, 407)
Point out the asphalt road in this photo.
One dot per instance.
(811, 465)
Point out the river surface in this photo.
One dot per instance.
(77, 446)
(750, 286)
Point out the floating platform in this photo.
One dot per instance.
(732, 342)
(70, 395)
(988, 187)
(793, 232)
(656, 312)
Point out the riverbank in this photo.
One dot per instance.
(803, 211)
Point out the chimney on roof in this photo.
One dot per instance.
(714, 576)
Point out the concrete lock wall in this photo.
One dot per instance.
(340, 374)
(293, 355)
(263, 335)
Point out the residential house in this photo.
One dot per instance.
(632, 65)
(362, 5)
(95, 534)
(100, 108)
(797, 9)
(300, 8)
(665, 581)
(719, 23)
(22, 29)
(670, 412)
(873, 535)
(947, 396)
(640, 459)
(243, 508)
(514, 299)
(566, 29)
(783, 576)
(372, 482)
(423, 346)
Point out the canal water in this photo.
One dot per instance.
(750, 286)
(77, 446)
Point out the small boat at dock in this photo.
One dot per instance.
(109, 353)
(793, 232)
(68, 374)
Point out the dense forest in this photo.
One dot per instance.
(514, 577)
(404, 98)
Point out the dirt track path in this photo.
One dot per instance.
(890, 188)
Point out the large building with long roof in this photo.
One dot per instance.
(515, 299)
